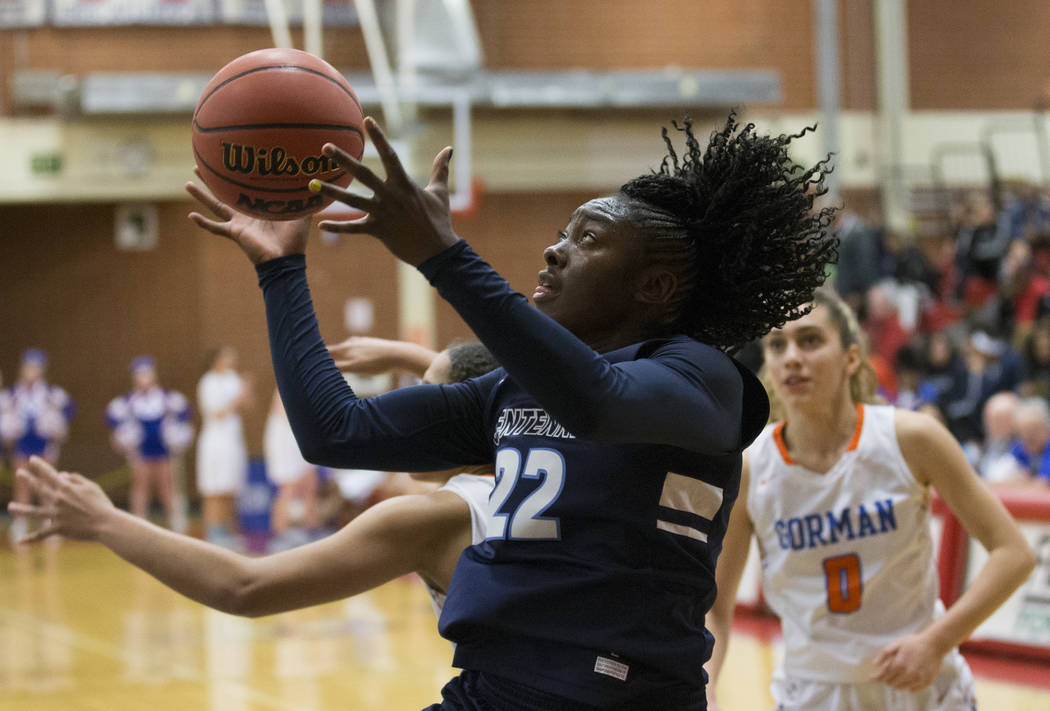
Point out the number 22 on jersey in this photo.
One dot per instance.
(526, 522)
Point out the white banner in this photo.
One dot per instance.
(1025, 617)
(336, 13)
(22, 13)
(83, 13)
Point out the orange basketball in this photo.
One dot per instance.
(259, 127)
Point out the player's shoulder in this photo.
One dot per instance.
(922, 439)
(679, 344)
(911, 427)
(689, 355)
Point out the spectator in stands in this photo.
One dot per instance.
(942, 311)
(996, 463)
(1036, 352)
(1030, 450)
(913, 393)
(942, 366)
(991, 366)
(910, 264)
(1021, 287)
(860, 249)
(886, 332)
(981, 242)
(1026, 208)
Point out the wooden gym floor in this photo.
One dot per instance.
(81, 630)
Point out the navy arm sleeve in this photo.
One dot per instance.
(684, 394)
(422, 428)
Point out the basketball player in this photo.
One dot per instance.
(837, 494)
(222, 458)
(149, 425)
(617, 425)
(36, 421)
(424, 533)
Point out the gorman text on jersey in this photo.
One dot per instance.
(821, 529)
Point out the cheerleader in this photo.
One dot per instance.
(150, 425)
(34, 420)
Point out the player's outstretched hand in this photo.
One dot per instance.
(911, 663)
(71, 505)
(373, 356)
(413, 222)
(261, 240)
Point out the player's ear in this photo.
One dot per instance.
(656, 284)
(853, 359)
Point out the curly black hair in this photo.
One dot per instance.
(469, 360)
(735, 223)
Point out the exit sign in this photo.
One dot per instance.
(46, 163)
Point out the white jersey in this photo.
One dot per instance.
(847, 556)
(222, 459)
(284, 460)
(475, 490)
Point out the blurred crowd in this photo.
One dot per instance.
(958, 323)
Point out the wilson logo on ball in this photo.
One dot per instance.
(276, 208)
(254, 160)
(261, 124)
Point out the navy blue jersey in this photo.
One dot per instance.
(615, 476)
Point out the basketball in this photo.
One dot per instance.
(259, 127)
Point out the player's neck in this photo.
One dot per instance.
(822, 432)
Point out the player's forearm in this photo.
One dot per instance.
(411, 357)
(410, 429)
(203, 572)
(1005, 570)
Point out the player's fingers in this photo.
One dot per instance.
(41, 476)
(39, 535)
(35, 486)
(895, 677)
(42, 470)
(209, 225)
(362, 226)
(885, 655)
(219, 208)
(391, 161)
(439, 171)
(358, 202)
(361, 172)
(19, 509)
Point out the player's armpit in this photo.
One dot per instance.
(392, 538)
